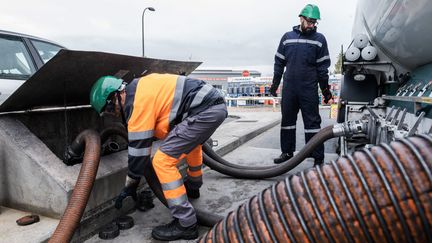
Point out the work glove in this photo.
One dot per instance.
(275, 85)
(327, 94)
(129, 190)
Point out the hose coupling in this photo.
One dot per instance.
(71, 157)
(350, 128)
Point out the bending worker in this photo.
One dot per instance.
(304, 55)
(180, 111)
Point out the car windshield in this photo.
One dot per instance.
(46, 50)
(15, 61)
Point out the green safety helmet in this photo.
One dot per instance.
(310, 11)
(102, 89)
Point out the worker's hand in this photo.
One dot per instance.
(327, 95)
(129, 190)
(273, 89)
(275, 84)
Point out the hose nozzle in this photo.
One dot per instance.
(350, 128)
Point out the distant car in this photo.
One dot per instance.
(20, 57)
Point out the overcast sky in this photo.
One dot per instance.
(235, 34)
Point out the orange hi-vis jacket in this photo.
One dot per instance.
(154, 104)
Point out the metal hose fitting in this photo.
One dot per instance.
(215, 162)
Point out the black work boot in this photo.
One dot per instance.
(174, 231)
(191, 193)
(283, 157)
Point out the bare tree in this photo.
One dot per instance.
(338, 64)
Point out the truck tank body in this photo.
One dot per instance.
(399, 29)
(396, 85)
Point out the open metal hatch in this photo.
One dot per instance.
(67, 78)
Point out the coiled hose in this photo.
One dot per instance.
(88, 142)
(247, 172)
(382, 194)
(204, 218)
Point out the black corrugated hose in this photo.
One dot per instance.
(247, 172)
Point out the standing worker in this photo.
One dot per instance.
(304, 55)
(180, 111)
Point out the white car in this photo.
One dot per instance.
(20, 57)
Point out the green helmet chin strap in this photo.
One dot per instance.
(123, 116)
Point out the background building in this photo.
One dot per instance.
(245, 83)
(218, 78)
(248, 86)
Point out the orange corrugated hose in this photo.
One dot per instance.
(80, 195)
(382, 194)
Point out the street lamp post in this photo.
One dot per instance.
(151, 9)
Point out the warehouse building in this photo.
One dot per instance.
(218, 78)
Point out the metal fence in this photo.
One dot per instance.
(248, 101)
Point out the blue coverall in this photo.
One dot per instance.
(306, 60)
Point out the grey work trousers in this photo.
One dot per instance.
(183, 138)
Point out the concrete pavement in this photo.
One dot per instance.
(11, 232)
(239, 128)
(220, 194)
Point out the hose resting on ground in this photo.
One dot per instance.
(246, 172)
(209, 153)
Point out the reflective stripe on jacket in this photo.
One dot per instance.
(157, 102)
(305, 58)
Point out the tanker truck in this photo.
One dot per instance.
(387, 72)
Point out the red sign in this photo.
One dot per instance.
(245, 73)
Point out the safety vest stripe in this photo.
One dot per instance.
(199, 97)
(288, 127)
(280, 56)
(195, 168)
(139, 144)
(140, 135)
(178, 94)
(177, 201)
(323, 59)
(172, 185)
(303, 41)
(138, 152)
(312, 130)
